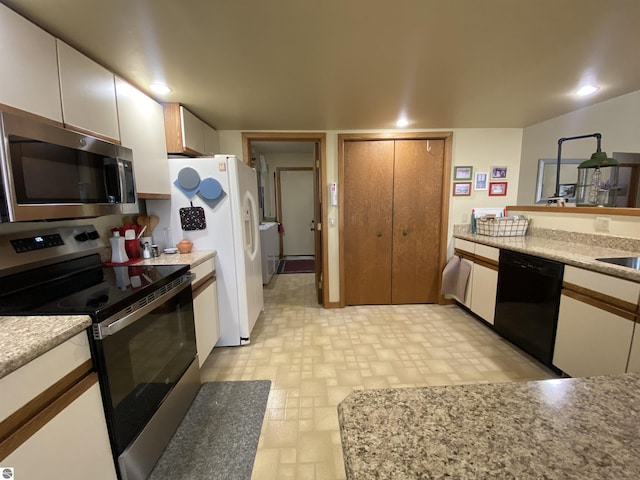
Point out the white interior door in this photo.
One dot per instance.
(297, 211)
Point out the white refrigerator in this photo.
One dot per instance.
(226, 189)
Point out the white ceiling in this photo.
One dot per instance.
(359, 64)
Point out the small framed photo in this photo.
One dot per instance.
(567, 190)
(482, 180)
(498, 172)
(497, 189)
(462, 189)
(462, 173)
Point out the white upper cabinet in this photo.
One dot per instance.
(28, 62)
(88, 94)
(186, 133)
(211, 142)
(141, 121)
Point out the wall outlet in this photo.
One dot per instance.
(602, 224)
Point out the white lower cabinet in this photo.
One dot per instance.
(74, 445)
(484, 287)
(53, 424)
(590, 340)
(634, 355)
(205, 309)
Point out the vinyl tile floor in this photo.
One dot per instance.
(315, 357)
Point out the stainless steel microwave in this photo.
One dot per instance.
(49, 173)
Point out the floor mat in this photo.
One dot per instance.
(219, 435)
(297, 266)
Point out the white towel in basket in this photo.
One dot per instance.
(455, 277)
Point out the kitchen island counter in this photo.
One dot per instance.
(579, 428)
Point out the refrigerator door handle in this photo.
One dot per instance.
(250, 224)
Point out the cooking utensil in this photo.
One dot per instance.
(141, 232)
(153, 223)
(142, 220)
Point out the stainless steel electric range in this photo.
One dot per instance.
(142, 338)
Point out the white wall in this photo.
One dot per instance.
(477, 147)
(276, 160)
(615, 119)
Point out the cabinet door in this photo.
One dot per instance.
(88, 94)
(141, 121)
(368, 219)
(205, 312)
(417, 201)
(29, 66)
(193, 131)
(634, 355)
(74, 444)
(211, 142)
(483, 292)
(590, 340)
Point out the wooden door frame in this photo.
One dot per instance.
(278, 187)
(446, 193)
(320, 168)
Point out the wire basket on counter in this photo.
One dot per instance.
(502, 227)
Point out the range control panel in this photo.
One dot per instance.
(29, 244)
(22, 251)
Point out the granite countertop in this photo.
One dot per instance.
(23, 338)
(570, 251)
(192, 259)
(578, 428)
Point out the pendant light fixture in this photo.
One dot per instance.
(597, 182)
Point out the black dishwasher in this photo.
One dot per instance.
(527, 302)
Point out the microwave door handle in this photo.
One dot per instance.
(122, 181)
(115, 323)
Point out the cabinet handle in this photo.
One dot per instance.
(378, 234)
(405, 233)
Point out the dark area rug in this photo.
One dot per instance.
(297, 266)
(218, 437)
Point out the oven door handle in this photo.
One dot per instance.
(127, 316)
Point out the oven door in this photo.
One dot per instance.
(141, 356)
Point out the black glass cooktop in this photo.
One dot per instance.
(82, 286)
(631, 262)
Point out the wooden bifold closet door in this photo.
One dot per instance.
(392, 201)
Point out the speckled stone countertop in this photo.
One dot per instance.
(23, 338)
(575, 428)
(193, 259)
(570, 251)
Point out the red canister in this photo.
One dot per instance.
(132, 247)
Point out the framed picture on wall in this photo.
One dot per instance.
(497, 189)
(567, 190)
(498, 172)
(481, 182)
(461, 189)
(462, 173)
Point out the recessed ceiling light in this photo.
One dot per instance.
(403, 122)
(587, 90)
(159, 88)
